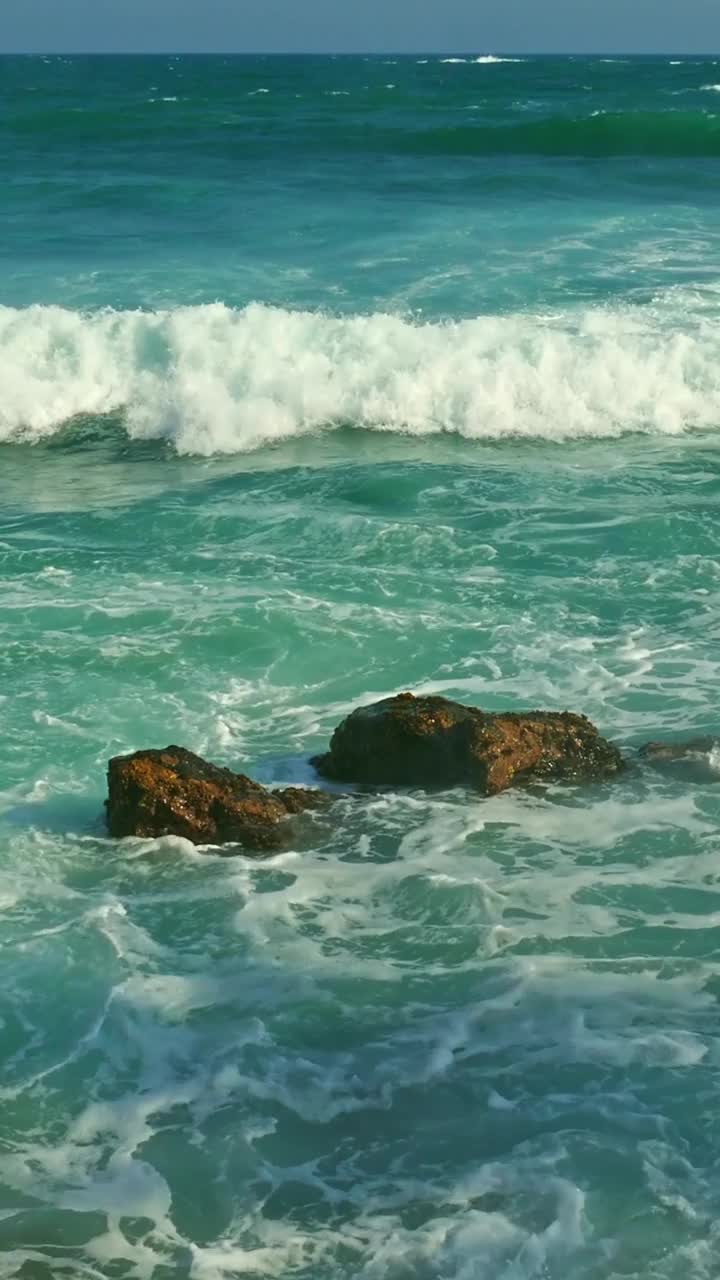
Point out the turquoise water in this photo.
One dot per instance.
(323, 379)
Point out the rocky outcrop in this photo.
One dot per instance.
(431, 741)
(174, 792)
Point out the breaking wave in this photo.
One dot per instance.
(486, 59)
(210, 379)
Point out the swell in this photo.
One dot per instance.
(673, 134)
(349, 124)
(210, 379)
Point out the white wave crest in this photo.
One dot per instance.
(486, 59)
(211, 379)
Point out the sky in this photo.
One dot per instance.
(334, 26)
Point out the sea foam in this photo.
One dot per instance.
(210, 379)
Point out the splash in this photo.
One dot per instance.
(210, 379)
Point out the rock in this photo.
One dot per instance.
(697, 760)
(409, 741)
(174, 792)
(670, 752)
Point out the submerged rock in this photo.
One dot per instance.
(669, 752)
(697, 760)
(174, 792)
(432, 741)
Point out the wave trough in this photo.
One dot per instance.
(210, 379)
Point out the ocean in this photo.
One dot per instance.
(323, 379)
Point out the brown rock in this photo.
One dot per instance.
(174, 792)
(432, 741)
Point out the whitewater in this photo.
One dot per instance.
(213, 380)
(323, 379)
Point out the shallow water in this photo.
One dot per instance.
(441, 1036)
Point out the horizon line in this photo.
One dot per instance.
(349, 53)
